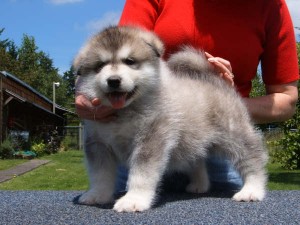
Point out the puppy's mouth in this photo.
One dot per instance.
(118, 99)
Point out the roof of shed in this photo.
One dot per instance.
(25, 85)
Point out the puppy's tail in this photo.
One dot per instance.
(190, 62)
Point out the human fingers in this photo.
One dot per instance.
(82, 102)
(93, 110)
(83, 107)
(96, 102)
(208, 55)
(219, 66)
(223, 66)
(104, 114)
(225, 62)
(224, 72)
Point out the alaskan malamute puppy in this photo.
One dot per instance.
(169, 116)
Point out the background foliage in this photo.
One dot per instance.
(36, 68)
(287, 151)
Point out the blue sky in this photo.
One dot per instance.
(60, 27)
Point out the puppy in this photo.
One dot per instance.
(170, 115)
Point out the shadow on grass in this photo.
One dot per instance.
(292, 178)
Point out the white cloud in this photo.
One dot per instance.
(61, 2)
(109, 18)
(294, 7)
(93, 26)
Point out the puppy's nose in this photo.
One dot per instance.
(114, 81)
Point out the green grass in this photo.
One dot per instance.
(66, 171)
(9, 163)
(281, 179)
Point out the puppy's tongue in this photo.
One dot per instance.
(117, 99)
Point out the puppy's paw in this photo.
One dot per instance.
(133, 202)
(95, 198)
(198, 187)
(250, 194)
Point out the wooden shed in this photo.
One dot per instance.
(22, 108)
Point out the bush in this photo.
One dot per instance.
(69, 143)
(288, 155)
(287, 152)
(6, 150)
(53, 143)
(39, 148)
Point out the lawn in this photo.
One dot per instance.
(66, 172)
(6, 164)
(281, 179)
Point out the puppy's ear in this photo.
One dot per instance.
(80, 59)
(154, 42)
(76, 65)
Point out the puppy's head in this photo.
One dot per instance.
(119, 65)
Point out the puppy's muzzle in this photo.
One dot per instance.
(114, 82)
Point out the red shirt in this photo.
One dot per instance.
(244, 32)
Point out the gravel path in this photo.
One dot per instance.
(58, 207)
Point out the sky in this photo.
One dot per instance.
(60, 27)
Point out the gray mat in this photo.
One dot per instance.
(58, 207)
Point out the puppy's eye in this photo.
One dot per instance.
(98, 67)
(129, 61)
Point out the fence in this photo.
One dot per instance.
(74, 136)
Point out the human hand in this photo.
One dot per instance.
(93, 110)
(223, 67)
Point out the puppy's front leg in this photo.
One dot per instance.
(148, 164)
(102, 172)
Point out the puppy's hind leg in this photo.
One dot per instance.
(102, 172)
(251, 166)
(199, 180)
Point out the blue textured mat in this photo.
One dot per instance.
(58, 207)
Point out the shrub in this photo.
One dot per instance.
(6, 150)
(69, 143)
(287, 152)
(53, 144)
(39, 148)
(288, 155)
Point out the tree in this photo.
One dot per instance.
(3, 43)
(12, 50)
(258, 88)
(28, 59)
(69, 77)
(8, 55)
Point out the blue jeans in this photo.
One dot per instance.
(222, 175)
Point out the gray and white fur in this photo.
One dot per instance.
(169, 115)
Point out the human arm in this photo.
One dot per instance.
(280, 70)
(277, 105)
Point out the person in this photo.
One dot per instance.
(242, 34)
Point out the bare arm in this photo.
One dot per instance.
(278, 105)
